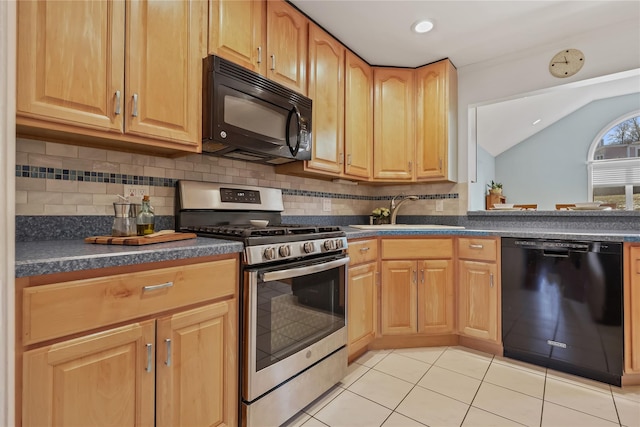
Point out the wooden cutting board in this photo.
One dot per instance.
(139, 240)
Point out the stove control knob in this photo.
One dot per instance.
(329, 245)
(308, 247)
(270, 253)
(284, 251)
(339, 244)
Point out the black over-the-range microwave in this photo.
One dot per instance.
(249, 117)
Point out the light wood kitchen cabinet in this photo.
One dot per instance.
(479, 288)
(362, 297)
(393, 121)
(196, 378)
(417, 289)
(358, 117)
(631, 294)
(237, 32)
(101, 379)
(126, 75)
(340, 85)
(141, 348)
(436, 123)
(326, 89)
(287, 49)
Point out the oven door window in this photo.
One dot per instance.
(296, 312)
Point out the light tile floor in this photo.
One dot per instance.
(457, 386)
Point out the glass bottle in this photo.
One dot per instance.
(145, 221)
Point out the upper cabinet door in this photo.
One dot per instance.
(436, 120)
(71, 62)
(236, 32)
(165, 47)
(358, 117)
(326, 89)
(287, 32)
(393, 141)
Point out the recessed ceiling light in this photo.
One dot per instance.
(423, 26)
(536, 122)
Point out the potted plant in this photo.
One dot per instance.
(380, 216)
(495, 187)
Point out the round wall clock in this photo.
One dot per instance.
(566, 63)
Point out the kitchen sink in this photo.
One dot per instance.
(408, 227)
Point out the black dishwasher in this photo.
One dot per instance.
(562, 306)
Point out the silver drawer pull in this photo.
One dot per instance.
(156, 287)
(491, 280)
(273, 62)
(168, 360)
(476, 246)
(259, 54)
(149, 357)
(364, 249)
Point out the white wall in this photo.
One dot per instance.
(551, 166)
(7, 209)
(486, 173)
(607, 50)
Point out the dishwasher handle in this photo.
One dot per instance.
(556, 253)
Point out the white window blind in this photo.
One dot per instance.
(608, 173)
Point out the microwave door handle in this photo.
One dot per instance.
(294, 150)
(303, 271)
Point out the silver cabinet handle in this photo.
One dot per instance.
(364, 249)
(422, 276)
(440, 164)
(134, 113)
(415, 276)
(273, 62)
(149, 357)
(410, 166)
(168, 360)
(349, 159)
(341, 158)
(117, 112)
(259, 54)
(491, 280)
(473, 246)
(156, 287)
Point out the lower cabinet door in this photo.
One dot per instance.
(435, 296)
(479, 300)
(197, 367)
(399, 298)
(103, 379)
(362, 306)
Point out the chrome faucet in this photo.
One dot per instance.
(395, 206)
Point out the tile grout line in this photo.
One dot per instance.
(476, 393)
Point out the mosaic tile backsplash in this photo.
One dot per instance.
(58, 179)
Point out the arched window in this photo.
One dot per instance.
(614, 163)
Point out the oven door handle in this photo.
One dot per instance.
(302, 271)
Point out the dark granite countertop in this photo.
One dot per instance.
(601, 235)
(57, 256)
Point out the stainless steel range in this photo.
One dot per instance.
(293, 332)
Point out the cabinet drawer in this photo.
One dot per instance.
(363, 251)
(56, 310)
(478, 249)
(417, 248)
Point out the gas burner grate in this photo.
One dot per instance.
(251, 231)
